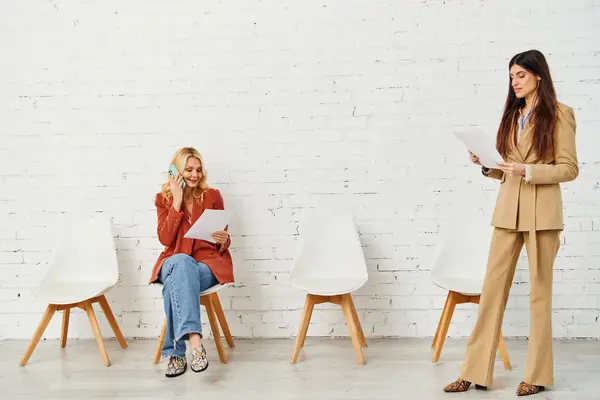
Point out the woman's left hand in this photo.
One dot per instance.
(512, 169)
(220, 236)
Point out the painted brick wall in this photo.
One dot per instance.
(293, 104)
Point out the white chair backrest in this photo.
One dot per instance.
(463, 251)
(85, 252)
(329, 247)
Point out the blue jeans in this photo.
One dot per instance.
(184, 279)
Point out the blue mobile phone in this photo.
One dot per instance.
(173, 172)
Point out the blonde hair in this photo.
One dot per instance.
(180, 160)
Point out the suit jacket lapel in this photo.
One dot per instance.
(526, 142)
(197, 211)
(515, 152)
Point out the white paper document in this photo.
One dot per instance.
(480, 144)
(209, 222)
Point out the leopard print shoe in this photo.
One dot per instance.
(199, 361)
(177, 366)
(460, 385)
(525, 389)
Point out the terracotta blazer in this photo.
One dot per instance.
(172, 225)
(538, 205)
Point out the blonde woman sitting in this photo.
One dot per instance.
(187, 267)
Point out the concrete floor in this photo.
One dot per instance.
(327, 369)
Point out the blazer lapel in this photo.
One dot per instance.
(514, 154)
(526, 142)
(197, 211)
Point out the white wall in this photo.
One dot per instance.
(292, 104)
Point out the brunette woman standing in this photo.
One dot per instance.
(536, 139)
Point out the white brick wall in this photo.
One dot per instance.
(293, 104)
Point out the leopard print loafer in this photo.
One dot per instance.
(177, 366)
(199, 361)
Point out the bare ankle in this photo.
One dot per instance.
(195, 341)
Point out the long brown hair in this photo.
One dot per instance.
(180, 160)
(544, 112)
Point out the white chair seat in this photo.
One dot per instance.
(212, 289)
(70, 292)
(462, 285)
(329, 259)
(328, 286)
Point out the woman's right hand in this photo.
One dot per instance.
(474, 158)
(176, 185)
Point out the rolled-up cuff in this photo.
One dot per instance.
(172, 352)
(528, 173)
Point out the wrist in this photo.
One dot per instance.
(177, 204)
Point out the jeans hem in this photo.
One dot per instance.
(188, 331)
(171, 353)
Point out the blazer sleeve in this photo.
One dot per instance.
(565, 167)
(219, 205)
(169, 221)
(494, 173)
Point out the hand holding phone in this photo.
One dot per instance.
(174, 173)
(176, 183)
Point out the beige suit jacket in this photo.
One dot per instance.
(537, 205)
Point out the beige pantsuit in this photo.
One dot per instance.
(481, 350)
(527, 213)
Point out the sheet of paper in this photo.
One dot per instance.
(480, 144)
(209, 222)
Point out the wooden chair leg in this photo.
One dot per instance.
(437, 332)
(50, 310)
(361, 335)
(223, 321)
(161, 342)
(112, 321)
(445, 324)
(313, 302)
(94, 322)
(214, 326)
(504, 352)
(347, 309)
(303, 329)
(65, 327)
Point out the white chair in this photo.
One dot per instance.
(460, 264)
(210, 300)
(83, 269)
(329, 265)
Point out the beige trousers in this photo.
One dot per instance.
(504, 252)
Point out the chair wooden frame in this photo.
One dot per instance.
(350, 315)
(452, 300)
(216, 317)
(66, 309)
